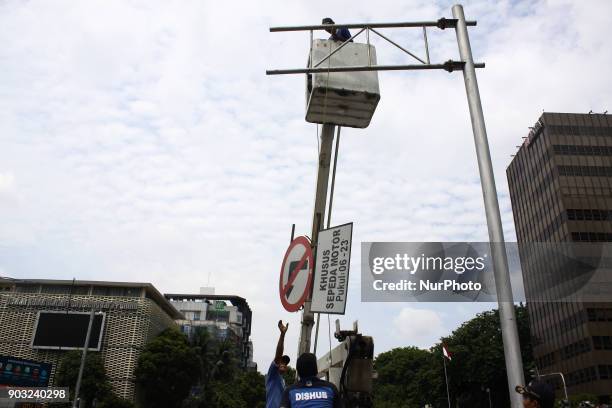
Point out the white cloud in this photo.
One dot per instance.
(418, 327)
(7, 181)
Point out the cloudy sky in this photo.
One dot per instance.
(141, 140)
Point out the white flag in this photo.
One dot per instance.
(446, 353)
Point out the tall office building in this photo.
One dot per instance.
(561, 191)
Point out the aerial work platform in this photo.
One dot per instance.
(341, 98)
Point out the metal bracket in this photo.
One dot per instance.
(442, 24)
(341, 335)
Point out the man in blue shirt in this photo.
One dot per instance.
(310, 391)
(341, 34)
(275, 384)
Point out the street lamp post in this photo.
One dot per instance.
(77, 403)
(562, 380)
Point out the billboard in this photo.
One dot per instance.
(23, 373)
(67, 330)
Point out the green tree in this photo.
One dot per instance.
(478, 359)
(204, 344)
(289, 376)
(94, 383)
(577, 399)
(224, 361)
(405, 378)
(253, 389)
(112, 401)
(167, 368)
(244, 389)
(410, 377)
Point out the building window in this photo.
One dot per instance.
(191, 314)
(65, 289)
(574, 349)
(581, 376)
(589, 215)
(27, 288)
(580, 130)
(579, 150)
(591, 237)
(605, 372)
(602, 342)
(116, 291)
(217, 315)
(585, 171)
(600, 315)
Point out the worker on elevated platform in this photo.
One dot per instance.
(275, 384)
(341, 34)
(310, 391)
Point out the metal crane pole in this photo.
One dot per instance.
(507, 316)
(327, 139)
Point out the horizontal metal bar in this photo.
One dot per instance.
(448, 66)
(442, 23)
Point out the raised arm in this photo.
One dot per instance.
(281, 341)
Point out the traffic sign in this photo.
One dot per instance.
(332, 270)
(296, 274)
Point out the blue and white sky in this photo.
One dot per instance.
(141, 140)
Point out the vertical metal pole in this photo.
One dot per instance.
(76, 402)
(316, 341)
(368, 42)
(333, 180)
(329, 213)
(310, 53)
(446, 378)
(318, 217)
(507, 317)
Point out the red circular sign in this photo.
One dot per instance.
(296, 274)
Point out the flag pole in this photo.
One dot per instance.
(446, 378)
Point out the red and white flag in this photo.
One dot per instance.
(446, 353)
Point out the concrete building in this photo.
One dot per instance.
(561, 191)
(226, 318)
(130, 314)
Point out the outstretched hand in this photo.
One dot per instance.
(282, 327)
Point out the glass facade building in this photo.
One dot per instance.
(560, 183)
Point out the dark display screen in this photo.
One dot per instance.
(67, 330)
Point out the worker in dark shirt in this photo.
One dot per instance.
(341, 34)
(310, 391)
(537, 395)
(275, 384)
